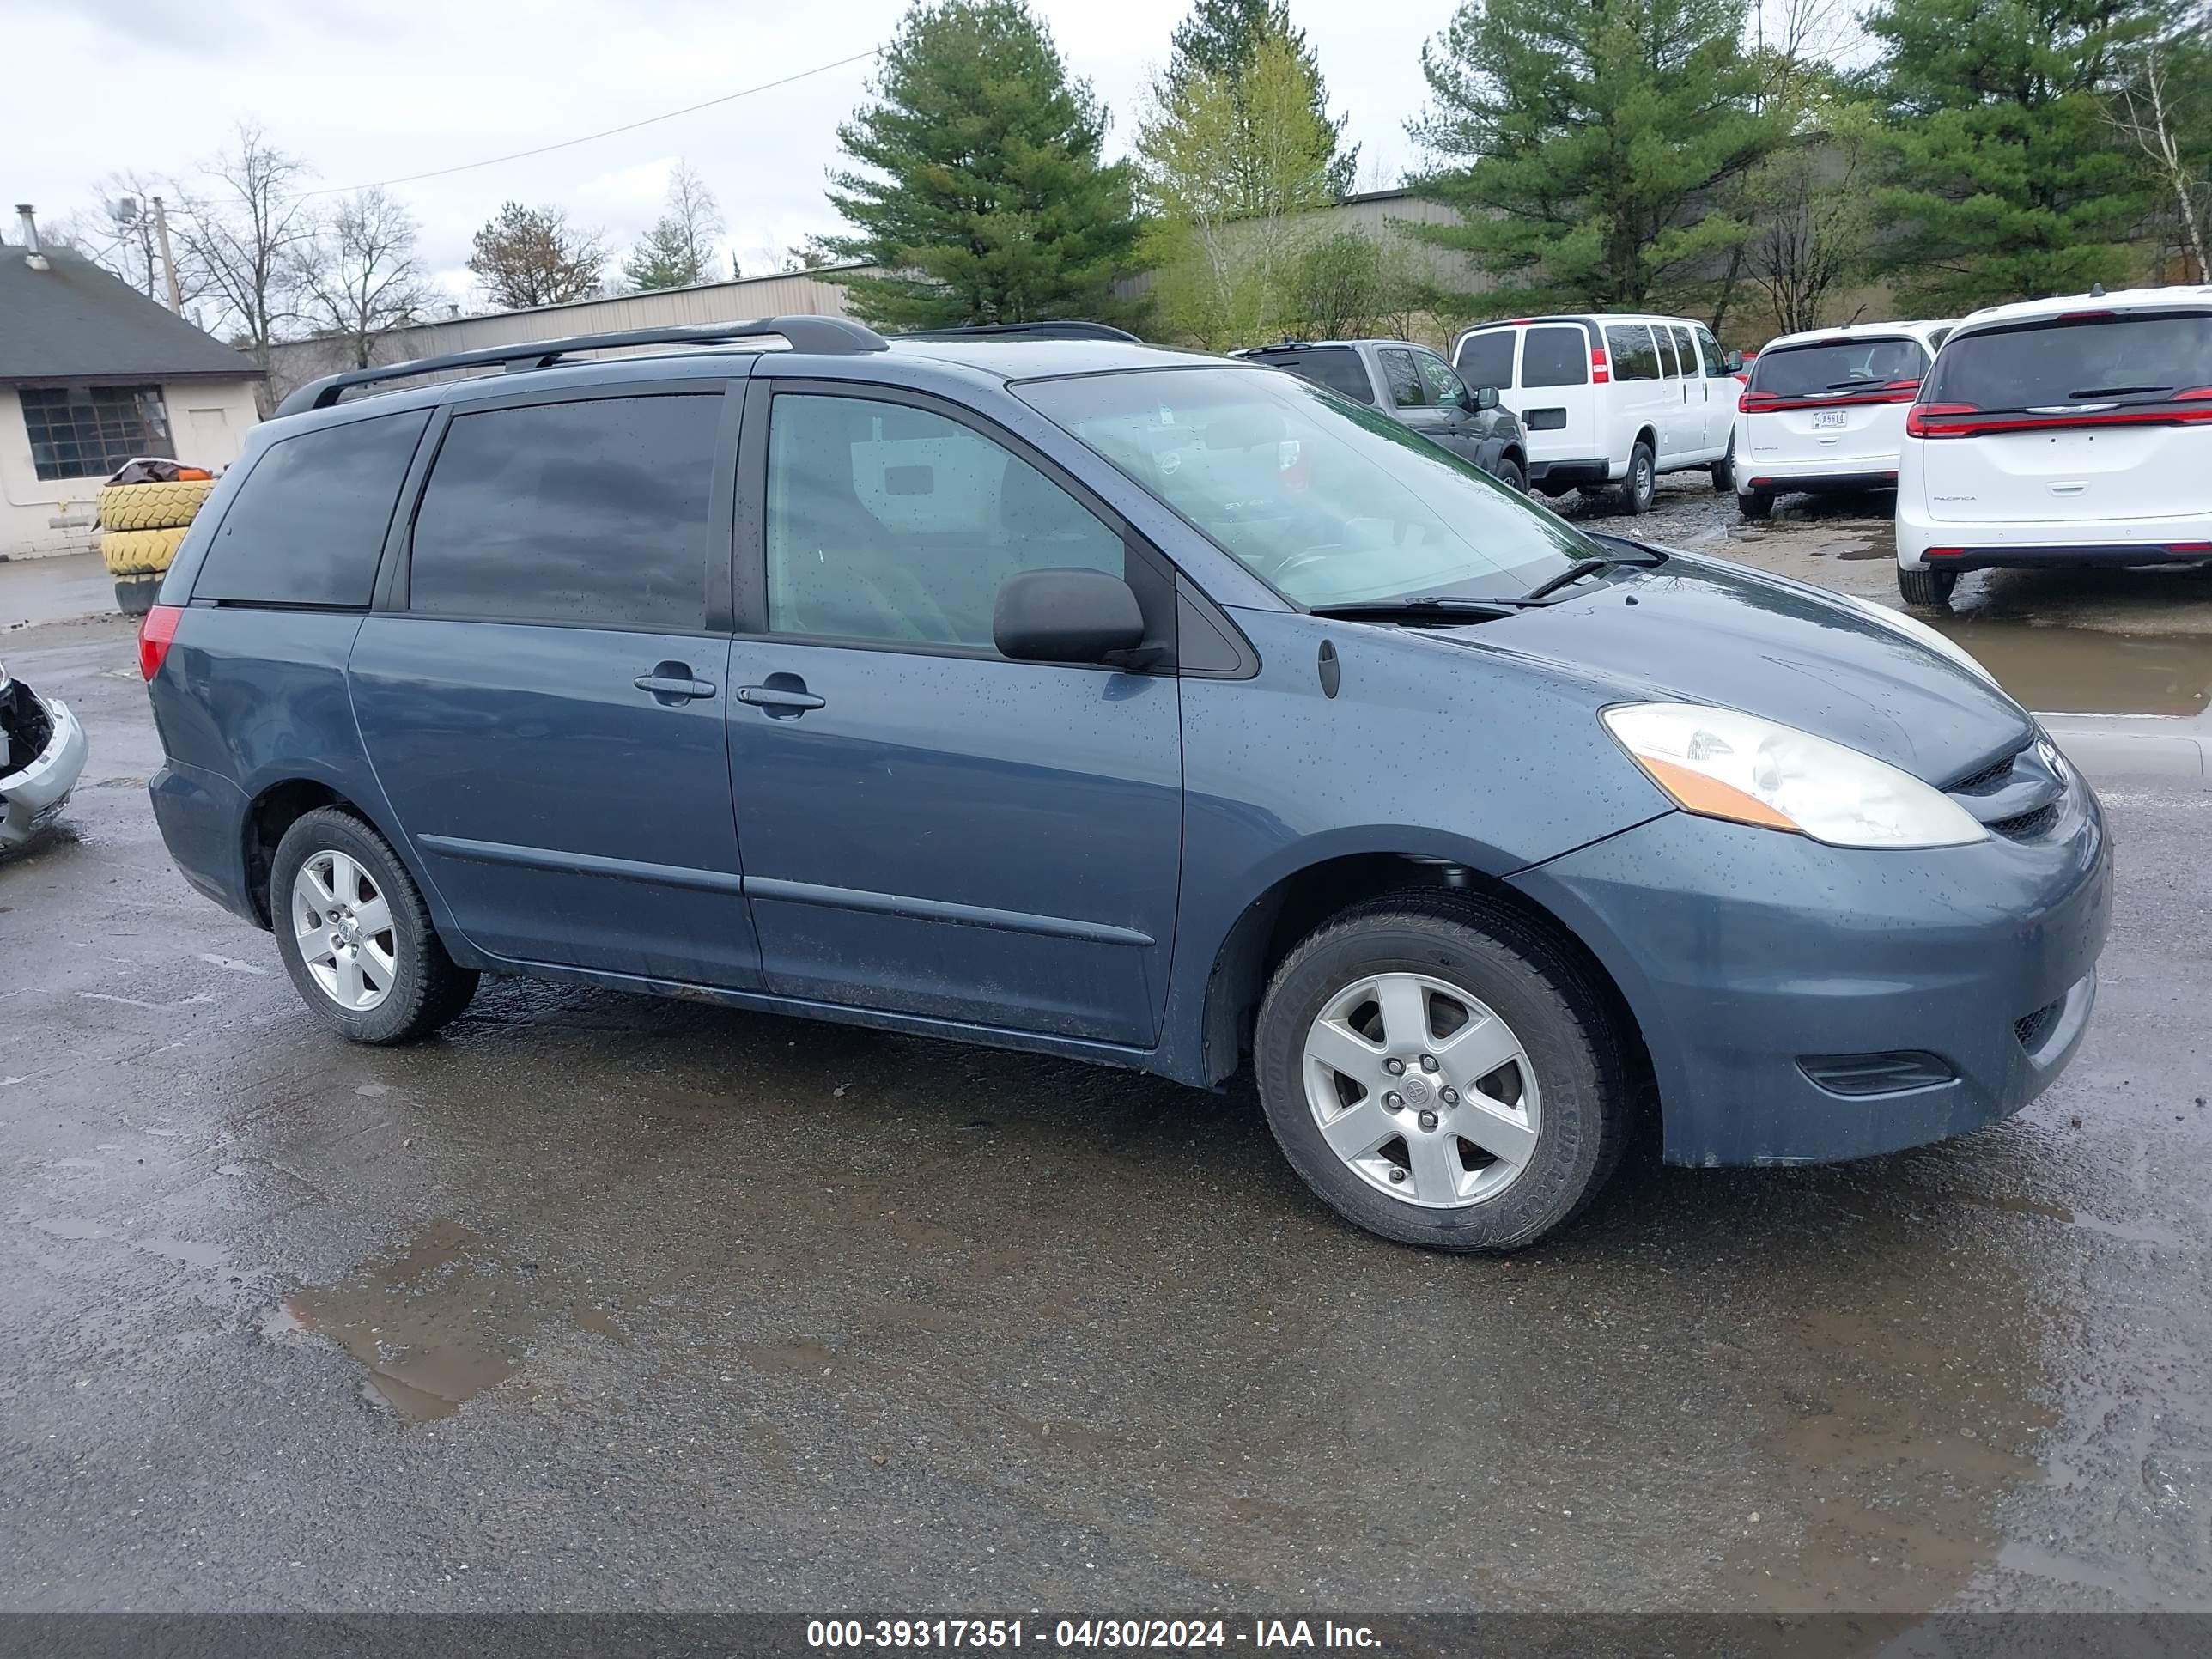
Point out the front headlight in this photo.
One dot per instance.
(1919, 631)
(1720, 764)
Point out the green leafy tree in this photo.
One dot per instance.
(1587, 146)
(2009, 182)
(1219, 38)
(1229, 164)
(986, 198)
(678, 250)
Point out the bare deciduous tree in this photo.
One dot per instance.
(529, 257)
(362, 275)
(2143, 109)
(247, 234)
(678, 250)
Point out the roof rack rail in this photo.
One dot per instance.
(1067, 329)
(828, 335)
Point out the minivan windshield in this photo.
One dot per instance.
(2113, 358)
(1822, 367)
(1328, 503)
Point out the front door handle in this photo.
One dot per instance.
(671, 683)
(785, 696)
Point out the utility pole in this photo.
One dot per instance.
(168, 261)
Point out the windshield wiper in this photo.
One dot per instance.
(1421, 607)
(1863, 379)
(1582, 567)
(2081, 393)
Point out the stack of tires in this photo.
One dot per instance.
(141, 526)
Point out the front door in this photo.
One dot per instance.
(929, 828)
(545, 712)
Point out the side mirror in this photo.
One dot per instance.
(1734, 362)
(1065, 615)
(1486, 398)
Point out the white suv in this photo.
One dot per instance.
(1823, 412)
(1608, 400)
(2068, 431)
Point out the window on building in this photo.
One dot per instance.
(88, 431)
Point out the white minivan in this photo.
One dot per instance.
(2061, 432)
(1823, 412)
(1608, 400)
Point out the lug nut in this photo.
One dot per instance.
(1428, 1120)
(1450, 1095)
(1393, 1102)
(1395, 1067)
(1428, 1062)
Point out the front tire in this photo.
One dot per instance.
(1509, 473)
(1509, 1101)
(1724, 470)
(355, 936)
(1930, 589)
(1642, 482)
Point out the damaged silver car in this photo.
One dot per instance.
(41, 755)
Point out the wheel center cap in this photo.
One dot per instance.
(1416, 1088)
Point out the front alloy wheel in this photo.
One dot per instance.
(1422, 1091)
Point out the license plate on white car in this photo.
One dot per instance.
(1828, 418)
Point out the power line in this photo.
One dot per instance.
(589, 137)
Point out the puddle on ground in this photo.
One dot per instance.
(2089, 671)
(441, 1320)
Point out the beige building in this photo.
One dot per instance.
(92, 374)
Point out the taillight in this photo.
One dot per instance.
(1940, 552)
(154, 634)
(1902, 385)
(1600, 372)
(2194, 393)
(1748, 403)
(1917, 417)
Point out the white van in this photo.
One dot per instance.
(1823, 411)
(1608, 400)
(2071, 431)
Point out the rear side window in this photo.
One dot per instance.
(1685, 352)
(593, 511)
(310, 520)
(1488, 359)
(1839, 368)
(1555, 356)
(2125, 359)
(1337, 368)
(1634, 356)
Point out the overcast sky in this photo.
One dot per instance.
(367, 93)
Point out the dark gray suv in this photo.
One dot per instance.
(1412, 384)
(1142, 707)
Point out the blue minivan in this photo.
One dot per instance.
(1036, 687)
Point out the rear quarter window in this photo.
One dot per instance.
(1337, 368)
(1635, 355)
(310, 518)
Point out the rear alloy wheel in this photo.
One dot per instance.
(1441, 1074)
(1923, 586)
(1634, 495)
(1755, 505)
(355, 936)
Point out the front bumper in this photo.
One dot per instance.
(1746, 953)
(33, 795)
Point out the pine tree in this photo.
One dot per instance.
(1219, 38)
(2009, 184)
(987, 199)
(1585, 143)
(529, 257)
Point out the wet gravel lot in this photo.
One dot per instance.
(596, 1303)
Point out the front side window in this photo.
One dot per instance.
(1404, 379)
(1709, 350)
(308, 525)
(2123, 358)
(594, 512)
(1327, 503)
(1445, 389)
(892, 524)
(88, 432)
(1635, 358)
(1488, 359)
(1555, 356)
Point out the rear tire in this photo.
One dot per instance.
(337, 891)
(1495, 1176)
(1930, 589)
(1509, 473)
(1634, 495)
(1755, 505)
